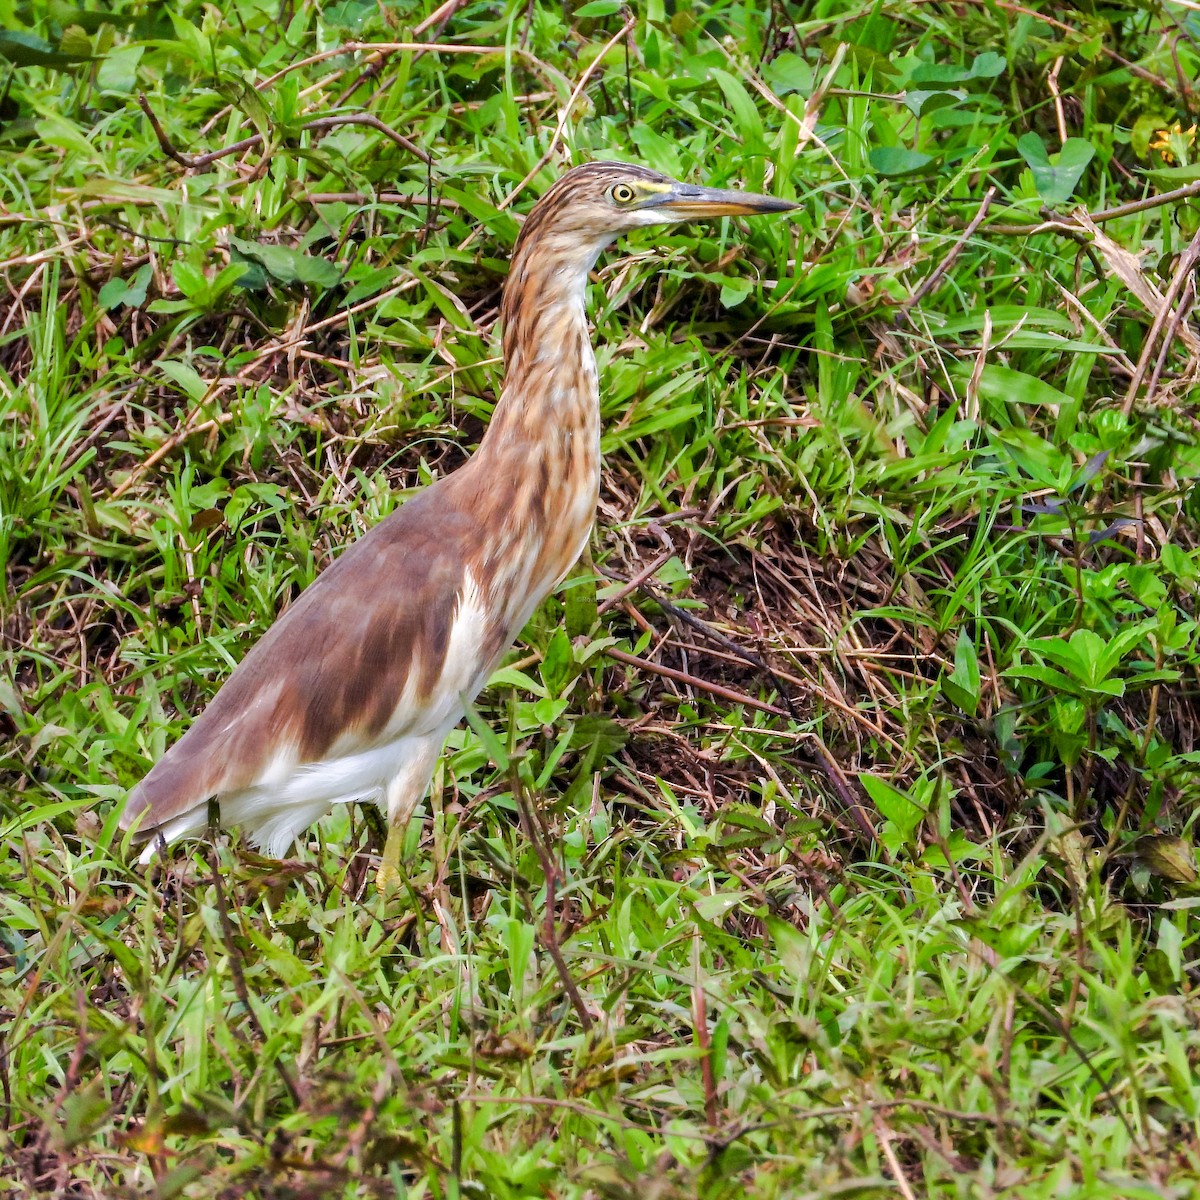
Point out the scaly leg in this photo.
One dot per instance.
(387, 881)
(404, 793)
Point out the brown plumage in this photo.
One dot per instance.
(350, 694)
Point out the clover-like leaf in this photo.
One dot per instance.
(1056, 176)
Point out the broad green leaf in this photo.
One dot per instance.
(898, 160)
(1007, 386)
(986, 66)
(27, 50)
(1055, 176)
(1114, 648)
(1047, 676)
(350, 15)
(960, 118)
(1172, 177)
(939, 73)
(918, 102)
(962, 685)
(893, 804)
(508, 677)
(600, 733)
(556, 661)
(129, 292)
(193, 42)
(792, 949)
(190, 279)
(1178, 562)
(287, 265)
(1174, 858)
(187, 377)
(713, 908)
(749, 123)
(789, 73)
(117, 74)
(243, 96)
(113, 293)
(546, 711)
(734, 291)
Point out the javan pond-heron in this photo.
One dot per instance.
(351, 693)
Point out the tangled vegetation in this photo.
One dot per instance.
(831, 830)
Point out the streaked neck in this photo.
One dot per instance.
(539, 463)
(549, 367)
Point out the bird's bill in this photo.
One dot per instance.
(685, 201)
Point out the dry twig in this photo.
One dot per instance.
(318, 124)
(937, 274)
(1164, 314)
(549, 935)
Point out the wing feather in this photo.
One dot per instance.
(329, 676)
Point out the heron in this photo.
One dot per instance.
(351, 693)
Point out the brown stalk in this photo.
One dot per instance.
(1060, 115)
(936, 275)
(318, 124)
(1136, 206)
(703, 1039)
(1165, 314)
(845, 793)
(1186, 303)
(549, 934)
(1061, 224)
(703, 685)
(886, 1137)
(638, 581)
(393, 198)
(438, 18)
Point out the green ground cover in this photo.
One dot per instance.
(889, 888)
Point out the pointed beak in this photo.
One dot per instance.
(685, 202)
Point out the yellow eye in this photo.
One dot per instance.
(622, 193)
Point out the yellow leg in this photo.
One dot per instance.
(388, 879)
(403, 795)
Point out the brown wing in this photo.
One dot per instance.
(335, 664)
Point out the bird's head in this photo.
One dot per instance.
(585, 210)
(594, 203)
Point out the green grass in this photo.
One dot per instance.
(915, 916)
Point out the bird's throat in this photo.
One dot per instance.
(549, 406)
(539, 462)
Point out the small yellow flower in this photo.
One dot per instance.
(1173, 143)
(1162, 144)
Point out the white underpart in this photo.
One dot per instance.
(393, 771)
